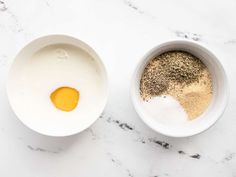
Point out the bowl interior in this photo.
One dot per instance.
(214, 110)
(48, 120)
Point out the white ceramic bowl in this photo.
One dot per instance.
(39, 113)
(220, 90)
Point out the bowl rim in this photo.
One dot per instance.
(98, 58)
(144, 59)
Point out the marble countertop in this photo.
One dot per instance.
(118, 144)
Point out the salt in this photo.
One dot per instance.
(166, 110)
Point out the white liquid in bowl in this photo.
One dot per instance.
(34, 77)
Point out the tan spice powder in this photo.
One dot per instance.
(181, 75)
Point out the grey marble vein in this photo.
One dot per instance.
(188, 35)
(231, 41)
(147, 140)
(114, 159)
(129, 173)
(228, 157)
(195, 156)
(133, 6)
(118, 163)
(3, 6)
(3, 60)
(93, 134)
(163, 144)
(122, 125)
(39, 149)
(18, 28)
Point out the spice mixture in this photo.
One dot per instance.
(181, 75)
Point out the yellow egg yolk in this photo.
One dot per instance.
(65, 98)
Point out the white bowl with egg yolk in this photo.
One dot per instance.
(213, 111)
(57, 85)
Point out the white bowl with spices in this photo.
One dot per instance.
(191, 93)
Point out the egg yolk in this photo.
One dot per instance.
(65, 98)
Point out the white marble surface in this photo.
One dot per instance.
(118, 144)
